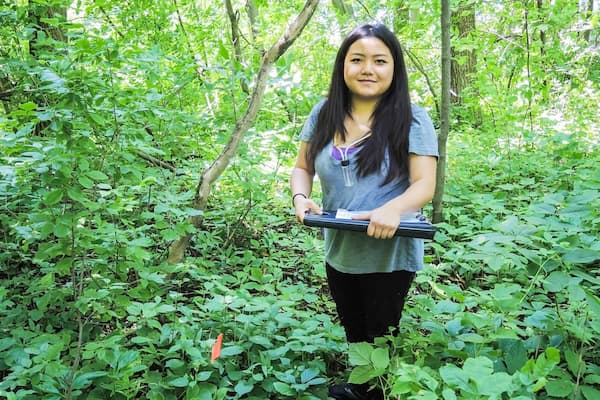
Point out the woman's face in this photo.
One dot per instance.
(368, 69)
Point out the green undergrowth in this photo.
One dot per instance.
(507, 307)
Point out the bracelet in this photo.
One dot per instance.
(298, 194)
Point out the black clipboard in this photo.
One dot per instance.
(417, 228)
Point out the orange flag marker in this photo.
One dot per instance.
(216, 349)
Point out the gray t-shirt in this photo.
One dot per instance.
(355, 252)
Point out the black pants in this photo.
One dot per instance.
(369, 304)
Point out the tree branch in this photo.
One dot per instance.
(182, 27)
(421, 69)
(212, 173)
(111, 23)
(235, 39)
(155, 161)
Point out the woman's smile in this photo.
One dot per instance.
(368, 69)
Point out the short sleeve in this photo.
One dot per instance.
(422, 138)
(311, 122)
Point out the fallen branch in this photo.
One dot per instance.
(155, 161)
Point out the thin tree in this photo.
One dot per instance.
(218, 166)
(444, 113)
(464, 61)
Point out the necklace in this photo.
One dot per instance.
(345, 162)
(355, 142)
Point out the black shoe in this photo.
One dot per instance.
(375, 394)
(348, 391)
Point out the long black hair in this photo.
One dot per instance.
(391, 119)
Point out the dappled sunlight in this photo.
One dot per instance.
(110, 114)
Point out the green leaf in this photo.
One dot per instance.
(592, 379)
(153, 323)
(546, 362)
(77, 195)
(165, 308)
(64, 266)
(576, 292)
(97, 175)
(581, 256)
(539, 384)
(205, 392)
(308, 374)
(593, 301)
(153, 277)
(360, 353)
(448, 394)
(573, 362)
(61, 230)
(97, 118)
(515, 354)
(261, 340)
(493, 385)
(85, 182)
(231, 351)
(182, 381)
(471, 338)
(84, 380)
(454, 376)
(243, 387)
(29, 106)
(223, 51)
(402, 385)
(476, 367)
(192, 212)
(362, 374)
(284, 388)
(316, 381)
(6, 343)
(557, 281)
(175, 363)
(561, 388)
(447, 307)
(380, 358)
(590, 392)
(53, 197)
(126, 359)
(203, 376)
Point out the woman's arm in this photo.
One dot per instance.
(384, 220)
(301, 182)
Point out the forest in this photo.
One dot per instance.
(148, 244)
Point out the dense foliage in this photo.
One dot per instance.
(109, 113)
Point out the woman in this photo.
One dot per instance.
(376, 153)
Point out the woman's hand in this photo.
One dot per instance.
(301, 183)
(383, 221)
(303, 204)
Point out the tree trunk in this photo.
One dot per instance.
(464, 62)
(252, 13)
(588, 12)
(444, 115)
(236, 42)
(212, 173)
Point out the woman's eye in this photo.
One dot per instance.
(355, 60)
(381, 61)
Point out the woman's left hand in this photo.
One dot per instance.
(383, 222)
